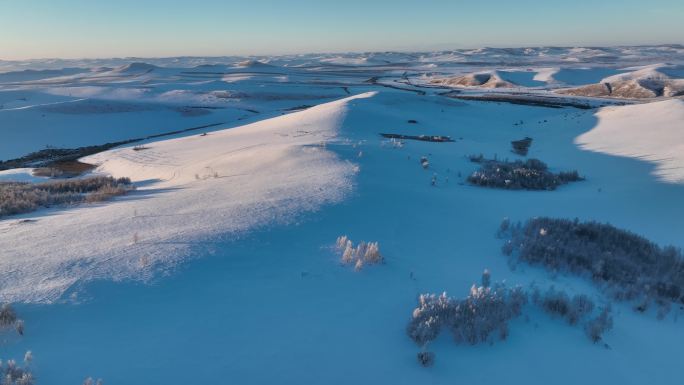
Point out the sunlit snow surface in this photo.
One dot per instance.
(222, 256)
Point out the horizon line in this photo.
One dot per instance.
(343, 52)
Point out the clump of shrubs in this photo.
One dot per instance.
(531, 174)
(9, 319)
(19, 198)
(573, 310)
(559, 304)
(480, 317)
(359, 256)
(522, 146)
(483, 316)
(599, 325)
(13, 374)
(628, 266)
(426, 359)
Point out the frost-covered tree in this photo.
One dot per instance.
(426, 359)
(341, 242)
(480, 317)
(599, 325)
(559, 304)
(486, 278)
(8, 319)
(348, 253)
(18, 198)
(626, 265)
(7, 315)
(13, 374)
(364, 253)
(531, 174)
(372, 253)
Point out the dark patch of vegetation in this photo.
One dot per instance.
(412, 121)
(65, 169)
(559, 304)
(54, 157)
(426, 359)
(522, 146)
(599, 325)
(375, 80)
(424, 138)
(299, 108)
(50, 157)
(628, 266)
(526, 100)
(9, 319)
(19, 198)
(531, 174)
(573, 310)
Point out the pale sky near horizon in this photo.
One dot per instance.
(156, 28)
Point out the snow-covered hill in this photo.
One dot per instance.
(192, 188)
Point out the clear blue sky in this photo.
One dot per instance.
(153, 28)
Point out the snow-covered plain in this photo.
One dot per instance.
(220, 268)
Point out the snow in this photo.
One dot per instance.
(574, 76)
(20, 175)
(652, 132)
(658, 71)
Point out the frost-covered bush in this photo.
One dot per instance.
(90, 381)
(364, 253)
(599, 325)
(19, 198)
(480, 317)
(627, 265)
(7, 315)
(531, 174)
(426, 359)
(13, 374)
(483, 315)
(558, 303)
(9, 320)
(486, 278)
(522, 146)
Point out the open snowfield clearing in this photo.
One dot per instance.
(222, 263)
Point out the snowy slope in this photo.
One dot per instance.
(652, 132)
(223, 183)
